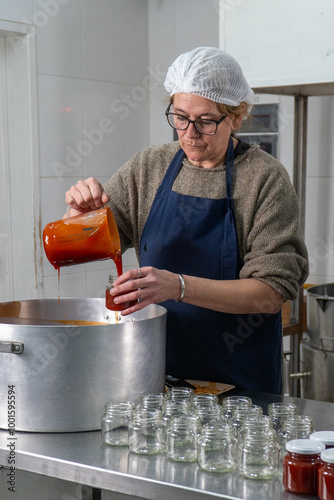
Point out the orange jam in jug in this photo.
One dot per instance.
(83, 238)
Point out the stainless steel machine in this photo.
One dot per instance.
(317, 349)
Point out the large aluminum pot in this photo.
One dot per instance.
(317, 367)
(63, 374)
(320, 316)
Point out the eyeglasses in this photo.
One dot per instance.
(203, 126)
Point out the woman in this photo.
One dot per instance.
(214, 222)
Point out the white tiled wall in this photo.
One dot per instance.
(101, 61)
(104, 61)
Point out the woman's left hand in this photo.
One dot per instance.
(148, 285)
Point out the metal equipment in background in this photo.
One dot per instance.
(317, 348)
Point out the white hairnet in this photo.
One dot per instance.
(211, 73)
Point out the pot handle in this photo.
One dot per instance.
(10, 347)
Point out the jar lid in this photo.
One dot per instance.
(328, 455)
(326, 437)
(305, 446)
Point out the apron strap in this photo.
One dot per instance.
(230, 255)
(229, 168)
(173, 170)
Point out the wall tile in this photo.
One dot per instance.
(71, 285)
(96, 283)
(58, 38)
(21, 11)
(103, 131)
(135, 11)
(136, 119)
(189, 35)
(102, 36)
(162, 34)
(60, 126)
(160, 131)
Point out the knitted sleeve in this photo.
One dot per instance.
(273, 247)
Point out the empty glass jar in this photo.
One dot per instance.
(209, 412)
(252, 423)
(280, 411)
(182, 433)
(231, 402)
(115, 423)
(146, 431)
(180, 393)
(240, 413)
(152, 401)
(216, 449)
(259, 453)
(204, 398)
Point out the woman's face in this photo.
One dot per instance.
(206, 151)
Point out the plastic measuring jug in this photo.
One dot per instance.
(83, 238)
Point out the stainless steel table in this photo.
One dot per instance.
(82, 458)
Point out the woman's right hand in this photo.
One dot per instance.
(85, 196)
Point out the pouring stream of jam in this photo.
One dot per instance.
(84, 238)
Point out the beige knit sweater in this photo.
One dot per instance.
(265, 203)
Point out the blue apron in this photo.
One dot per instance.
(198, 237)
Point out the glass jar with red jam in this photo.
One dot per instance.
(110, 304)
(326, 475)
(300, 465)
